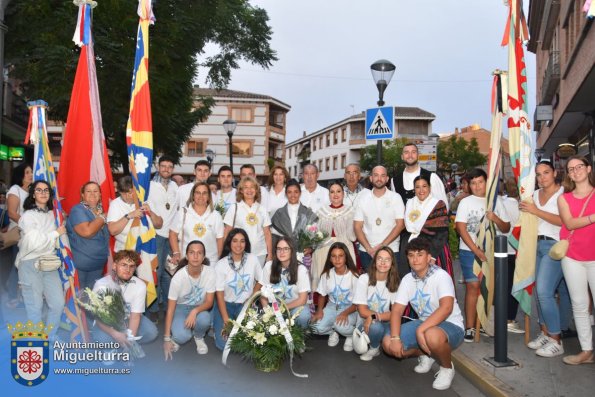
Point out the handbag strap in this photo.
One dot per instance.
(233, 225)
(183, 231)
(582, 211)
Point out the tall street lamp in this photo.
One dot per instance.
(229, 126)
(382, 72)
(210, 154)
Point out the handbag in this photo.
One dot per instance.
(559, 250)
(360, 341)
(170, 266)
(11, 236)
(48, 263)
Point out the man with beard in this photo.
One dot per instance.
(402, 183)
(379, 218)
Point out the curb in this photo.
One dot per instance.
(481, 378)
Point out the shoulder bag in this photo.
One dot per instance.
(170, 266)
(11, 236)
(559, 250)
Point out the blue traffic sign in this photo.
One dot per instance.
(380, 123)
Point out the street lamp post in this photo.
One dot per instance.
(210, 154)
(382, 72)
(435, 137)
(229, 126)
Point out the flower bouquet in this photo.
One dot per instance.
(266, 336)
(220, 208)
(311, 237)
(108, 306)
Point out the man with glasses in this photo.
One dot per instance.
(134, 292)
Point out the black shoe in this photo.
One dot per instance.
(568, 333)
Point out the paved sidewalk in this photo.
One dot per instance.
(534, 376)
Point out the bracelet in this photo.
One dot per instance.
(175, 253)
(167, 338)
(395, 337)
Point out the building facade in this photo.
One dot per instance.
(563, 39)
(332, 148)
(259, 138)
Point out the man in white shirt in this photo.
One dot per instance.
(163, 195)
(202, 172)
(313, 195)
(379, 218)
(226, 196)
(402, 183)
(249, 170)
(352, 186)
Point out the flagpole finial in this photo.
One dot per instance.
(39, 102)
(81, 2)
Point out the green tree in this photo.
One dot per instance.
(43, 57)
(457, 150)
(391, 156)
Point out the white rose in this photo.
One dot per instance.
(273, 329)
(250, 325)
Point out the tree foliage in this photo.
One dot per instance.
(43, 58)
(457, 150)
(391, 156)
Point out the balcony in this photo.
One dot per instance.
(551, 80)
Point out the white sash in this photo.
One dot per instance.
(413, 223)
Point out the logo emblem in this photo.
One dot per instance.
(251, 219)
(200, 229)
(29, 353)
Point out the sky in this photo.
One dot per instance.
(444, 52)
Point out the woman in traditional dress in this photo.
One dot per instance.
(336, 220)
(198, 221)
(427, 216)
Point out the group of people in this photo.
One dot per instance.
(386, 258)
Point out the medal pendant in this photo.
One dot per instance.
(378, 221)
(167, 206)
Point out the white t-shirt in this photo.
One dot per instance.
(511, 206)
(438, 190)
(159, 200)
(187, 290)
(227, 199)
(316, 199)
(425, 296)
(253, 219)
(276, 201)
(379, 215)
(18, 191)
(134, 292)
(545, 228)
(284, 290)
(377, 297)
(117, 209)
(340, 289)
(264, 197)
(237, 286)
(471, 211)
(207, 228)
(184, 194)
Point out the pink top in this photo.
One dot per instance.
(581, 242)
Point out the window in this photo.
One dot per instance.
(335, 137)
(343, 134)
(328, 139)
(320, 142)
(295, 171)
(320, 165)
(195, 148)
(335, 161)
(242, 114)
(328, 163)
(313, 144)
(343, 160)
(242, 148)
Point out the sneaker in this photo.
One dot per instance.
(333, 339)
(201, 346)
(370, 354)
(550, 349)
(444, 378)
(469, 335)
(424, 364)
(538, 342)
(515, 328)
(348, 346)
(568, 333)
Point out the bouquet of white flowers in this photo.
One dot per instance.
(311, 237)
(108, 306)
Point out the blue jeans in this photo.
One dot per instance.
(233, 310)
(12, 284)
(549, 279)
(163, 277)
(327, 323)
(466, 259)
(180, 333)
(37, 285)
(146, 329)
(453, 333)
(304, 318)
(366, 259)
(87, 279)
(377, 331)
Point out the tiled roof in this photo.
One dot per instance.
(225, 93)
(405, 112)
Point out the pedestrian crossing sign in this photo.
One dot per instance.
(380, 123)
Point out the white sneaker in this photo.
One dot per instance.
(538, 342)
(515, 328)
(348, 346)
(201, 346)
(424, 364)
(333, 339)
(444, 378)
(551, 349)
(370, 354)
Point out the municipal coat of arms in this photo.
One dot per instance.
(29, 353)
